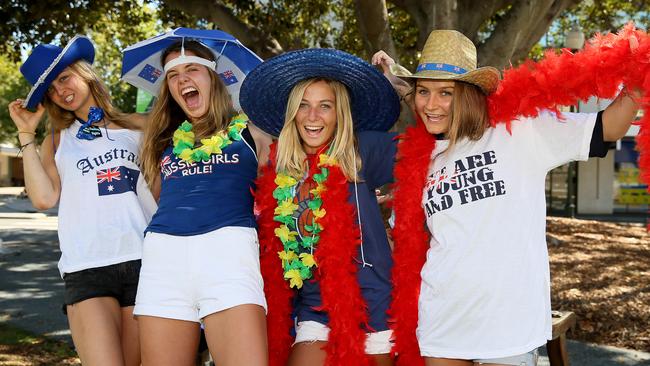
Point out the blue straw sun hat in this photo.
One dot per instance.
(265, 91)
(47, 61)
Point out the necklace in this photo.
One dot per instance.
(337, 270)
(298, 257)
(184, 140)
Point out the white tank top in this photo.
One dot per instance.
(105, 204)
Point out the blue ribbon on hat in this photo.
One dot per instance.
(441, 67)
(95, 114)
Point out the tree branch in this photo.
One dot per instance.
(444, 14)
(262, 43)
(521, 52)
(476, 13)
(420, 13)
(372, 18)
(519, 30)
(513, 32)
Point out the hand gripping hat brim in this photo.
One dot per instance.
(47, 61)
(265, 91)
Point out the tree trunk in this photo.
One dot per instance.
(524, 23)
(372, 18)
(262, 43)
(520, 29)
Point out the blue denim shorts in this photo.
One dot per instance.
(119, 281)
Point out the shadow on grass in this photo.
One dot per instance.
(19, 347)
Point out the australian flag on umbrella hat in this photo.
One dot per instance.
(142, 67)
(117, 180)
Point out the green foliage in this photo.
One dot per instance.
(405, 36)
(112, 25)
(13, 86)
(19, 339)
(114, 31)
(294, 24)
(599, 16)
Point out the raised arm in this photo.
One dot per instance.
(42, 180)
(262, 143)
(382, 59)
(618, 116)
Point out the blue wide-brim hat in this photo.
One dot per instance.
(47, 61)
(265, 91)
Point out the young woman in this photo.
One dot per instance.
(325, 254)
(201, 255)
(89, 164)
(484, 296)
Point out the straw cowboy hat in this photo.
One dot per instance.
(449, 55)
(47, 61)
(264, 93)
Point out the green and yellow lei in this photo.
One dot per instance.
(298, 257)
(184, 140)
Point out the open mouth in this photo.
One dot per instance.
(435, 118)
(69, 98)
(191, 97)
(313, 131)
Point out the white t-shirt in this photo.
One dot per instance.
(105, 204)
(485, 285)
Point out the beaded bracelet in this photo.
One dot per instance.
(27, 132)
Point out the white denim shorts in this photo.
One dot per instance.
(191, 277)
(526, 359)
(310, 331)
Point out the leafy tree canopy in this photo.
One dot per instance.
(505, 31)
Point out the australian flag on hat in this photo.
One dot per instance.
(117, 180)
(150, 73)
(228, 77)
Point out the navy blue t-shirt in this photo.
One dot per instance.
(197, 198)
(377, 150)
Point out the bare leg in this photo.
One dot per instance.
(382, 359)
(429, 361)
(130, 340)
(237, 336)
(307, 354)
(96, 329)
(168, 342)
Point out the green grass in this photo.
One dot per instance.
(19, 339)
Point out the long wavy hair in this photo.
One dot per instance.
(60, 118)
(167, 115)
(291, 156)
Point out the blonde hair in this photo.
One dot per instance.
(291, 156)
(60, 118)
(167, 115)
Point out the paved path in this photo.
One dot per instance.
(31, 290)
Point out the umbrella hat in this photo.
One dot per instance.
(142, 66)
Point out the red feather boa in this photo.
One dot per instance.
(411, 239)
(557, 80)
(606, 62)
(277, 291)
(337, 273)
